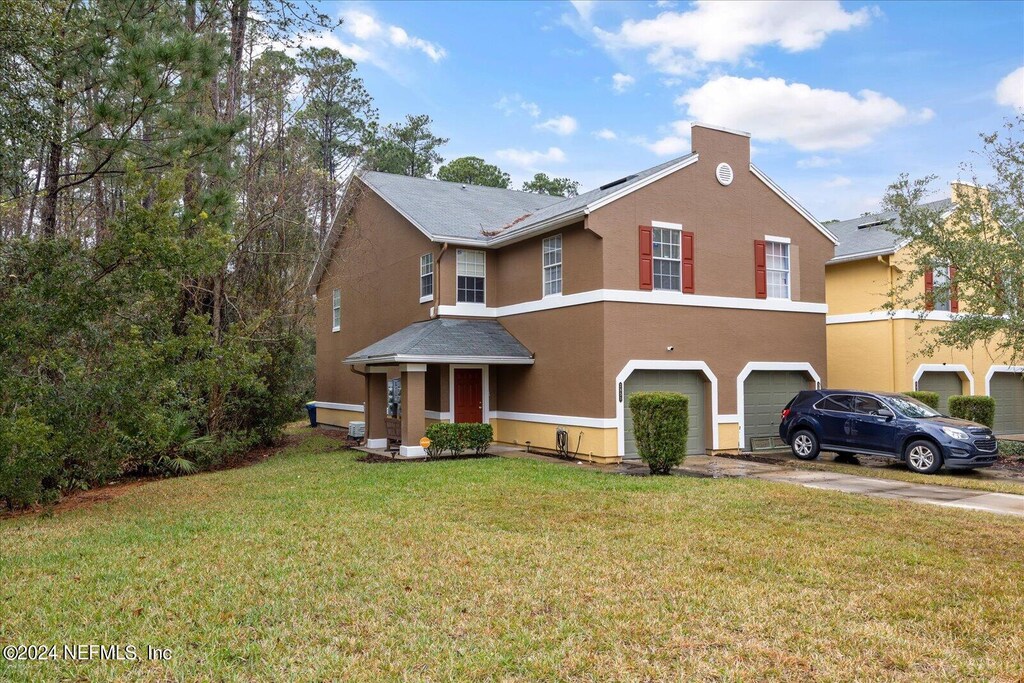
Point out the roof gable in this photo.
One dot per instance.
(870, 235)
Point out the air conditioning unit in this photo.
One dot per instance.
(357, 430)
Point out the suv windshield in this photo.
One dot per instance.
(911, 407)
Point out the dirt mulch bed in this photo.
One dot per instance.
(376, 458)
(78, 499)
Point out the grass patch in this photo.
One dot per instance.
(963, 480)
(312, 566)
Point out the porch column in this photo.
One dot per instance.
(376, 409)
(414, 423)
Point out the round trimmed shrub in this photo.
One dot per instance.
(661, 423)
(980, 409)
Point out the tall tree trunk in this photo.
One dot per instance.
(48, 213)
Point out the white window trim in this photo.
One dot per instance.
(543, 268)
(424, 298)
(789, 269)
(674, 227)
(336, 310)
(776, 238)
(470, 303)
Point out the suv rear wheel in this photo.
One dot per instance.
(805, 445)
(923, 456)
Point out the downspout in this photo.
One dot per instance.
(437, 283)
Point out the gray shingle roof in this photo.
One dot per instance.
(446, 338)
(454, 210)
(482, 213)
(873, 239)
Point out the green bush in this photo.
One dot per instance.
(1008, 448)
(660, 425)
(974, 408)
(929, 398)
(478, 436)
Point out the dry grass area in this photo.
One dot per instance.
(312, 566)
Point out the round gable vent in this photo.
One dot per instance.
(724, 174)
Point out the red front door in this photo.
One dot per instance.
(469, 395)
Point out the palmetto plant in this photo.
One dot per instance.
(183, 443)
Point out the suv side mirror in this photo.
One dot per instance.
(886, 413)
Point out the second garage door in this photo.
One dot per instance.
(1008, 390)
(683, 382)
(765, 394)
(945, 384)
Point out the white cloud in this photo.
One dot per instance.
(561, 125)
(675, 143)
(365, 27)
(809, 119)
(817, 162)
(838, 181)
(510, 104)
(1010, 91)
(531, 158)
(622, 82)
(606, 134)
(679, 43)
(585, 8)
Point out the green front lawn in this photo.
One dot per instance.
(312, 566)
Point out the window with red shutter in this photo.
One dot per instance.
(646, 258)
(688, 263)
(954, 305)
(760, 270)
(929, 289)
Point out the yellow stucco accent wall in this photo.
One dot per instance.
(600, 445)
(860, 356)
(337, 418)
(728, 437)
(856, 286)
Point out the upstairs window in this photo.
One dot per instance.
(552, 265)
(777, 269)
(667, 253)
(471, 272)
(940, 280)
(426, 277)
(336, 310)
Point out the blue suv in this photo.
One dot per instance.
(891, 425)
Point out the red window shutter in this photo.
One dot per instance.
(760, 271)
(646, 258)
(687, 263)
(929, 289)
(954, 305)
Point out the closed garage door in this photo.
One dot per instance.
(683, 382)
(1007, 389)
(946, 384)
(765, 394)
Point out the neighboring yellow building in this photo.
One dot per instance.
(870, 348)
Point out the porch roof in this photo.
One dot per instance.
(447, 340)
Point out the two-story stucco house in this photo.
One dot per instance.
(462, 303)
(875, 349)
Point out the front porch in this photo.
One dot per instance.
(434, 371)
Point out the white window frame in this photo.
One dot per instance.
(938, 304)
(336, 310)
(459, 253)
(426, 262)
(678, 231)
(546, 267)
(784, 244)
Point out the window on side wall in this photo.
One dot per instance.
(426, 277)
(667, 253)
(552, 265)
(777, 269)
(940, 281)
(336, 310)
(471, 273)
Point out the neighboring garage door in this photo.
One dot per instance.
(1007, 389)
(683, 382)
(765, 394)
(946, 384)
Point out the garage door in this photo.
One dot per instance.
(946, 384)
(1008, 390)
(683, 382)
(765, 394)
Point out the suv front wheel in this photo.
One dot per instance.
(805, 445)
(923, 456)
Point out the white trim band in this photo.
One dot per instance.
(558, 420)
(944, 367)
(657, 297)
(1016, 369)
(875, 316)
(352, 407)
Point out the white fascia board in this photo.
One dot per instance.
(629, 189)
(793, 203)
(874, 316)
(353, 407)
(862, 255)
(635, 297)
(553, 223)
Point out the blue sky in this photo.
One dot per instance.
(839, 97)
